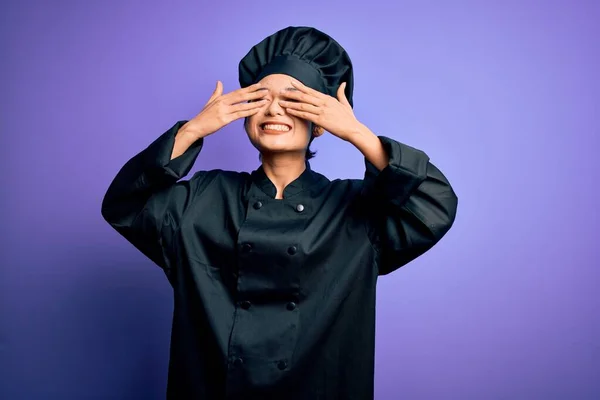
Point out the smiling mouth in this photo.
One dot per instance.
(275, 128)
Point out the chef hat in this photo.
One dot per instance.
(305, 53)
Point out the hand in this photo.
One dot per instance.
(333, 115)
(221, 110)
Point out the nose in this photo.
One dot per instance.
(273, 108)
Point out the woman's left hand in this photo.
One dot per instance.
(334, 115)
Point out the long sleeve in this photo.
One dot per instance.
(411, 205)
(145, 201)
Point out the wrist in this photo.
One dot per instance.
(189, 133)
(362, 138)
(369, 144)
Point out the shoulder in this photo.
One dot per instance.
(339, 183)
(220, 177)
(345, 187)
(347, 182)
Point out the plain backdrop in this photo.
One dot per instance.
(502, 95)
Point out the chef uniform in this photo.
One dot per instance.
(275, 298)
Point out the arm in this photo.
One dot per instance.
(144, 202)
(411, 204)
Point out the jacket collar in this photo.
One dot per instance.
(306, 179)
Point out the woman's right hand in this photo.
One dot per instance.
(221, 110)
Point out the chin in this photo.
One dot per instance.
(277, 149)
(280, 147)
(277, 143)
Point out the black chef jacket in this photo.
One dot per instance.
(275, 299)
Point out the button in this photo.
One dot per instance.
(282, 364)
(299, 208)
(291, 306)
(238, 362)
(245, 304)
(258, 205)
(292, 250)
(246, 247)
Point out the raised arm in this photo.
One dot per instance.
(145, 196)
(146, 201)
(411, 204)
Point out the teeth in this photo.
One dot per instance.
(283, 128)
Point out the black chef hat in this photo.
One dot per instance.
(307, 54)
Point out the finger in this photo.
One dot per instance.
(300, 107)
(308, 90)
(243, 114)
(248, 97)
(247, 89)
(302, 97)
(253, 87)
(303, 114)
(341, 94)
(234, 98)
(247, 106)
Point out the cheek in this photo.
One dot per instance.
(301, 124)
(249, 125)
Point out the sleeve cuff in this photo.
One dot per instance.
(406, 170)
(158, 154)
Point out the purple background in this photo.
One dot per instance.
(503, 96)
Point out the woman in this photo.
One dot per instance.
(274, 272)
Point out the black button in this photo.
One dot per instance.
(245, 304)
(238, 361)
(291, 306)
(282, 364)
(246, 247)
(299, 208)
(292, 250)
(257, 205)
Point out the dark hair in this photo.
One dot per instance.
(309, 153)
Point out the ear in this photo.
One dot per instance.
(317, 131)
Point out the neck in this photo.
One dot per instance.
(283, 169)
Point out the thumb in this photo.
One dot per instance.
(341, 95)
(217, 92)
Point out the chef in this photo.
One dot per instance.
(274, 272)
